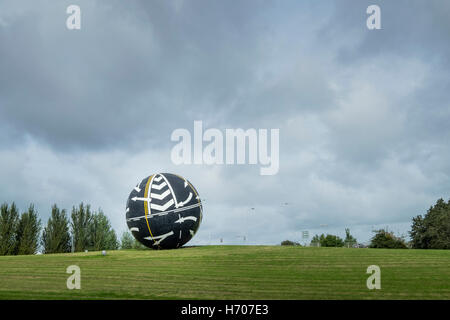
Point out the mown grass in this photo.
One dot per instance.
(230, 272)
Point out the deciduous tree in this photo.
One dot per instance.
(385, 239)
(432, 231)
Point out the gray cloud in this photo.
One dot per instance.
(126, 73)
(363, 115)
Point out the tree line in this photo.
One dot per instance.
(331, 240)
(88, 230)
(328, 240)
(83, 230)
(430, 231)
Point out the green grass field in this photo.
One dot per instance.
(230, 272)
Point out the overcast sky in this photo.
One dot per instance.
(363, 114)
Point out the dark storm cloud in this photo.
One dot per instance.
(132, 70)
(138, 70)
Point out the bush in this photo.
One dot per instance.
(385, 239)
(289, 243)
(329, 240)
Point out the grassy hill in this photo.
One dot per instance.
(230, 272)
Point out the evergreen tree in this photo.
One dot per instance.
(81, 221)
(112, 243)
(101, 235)
(127, 241)
(28, 231)
(8, 226)
(56, 236)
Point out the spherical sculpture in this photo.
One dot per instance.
(164, 211)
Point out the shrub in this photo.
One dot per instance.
(289, 243)
(385, 239)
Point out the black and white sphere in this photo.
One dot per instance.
(164, 211)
